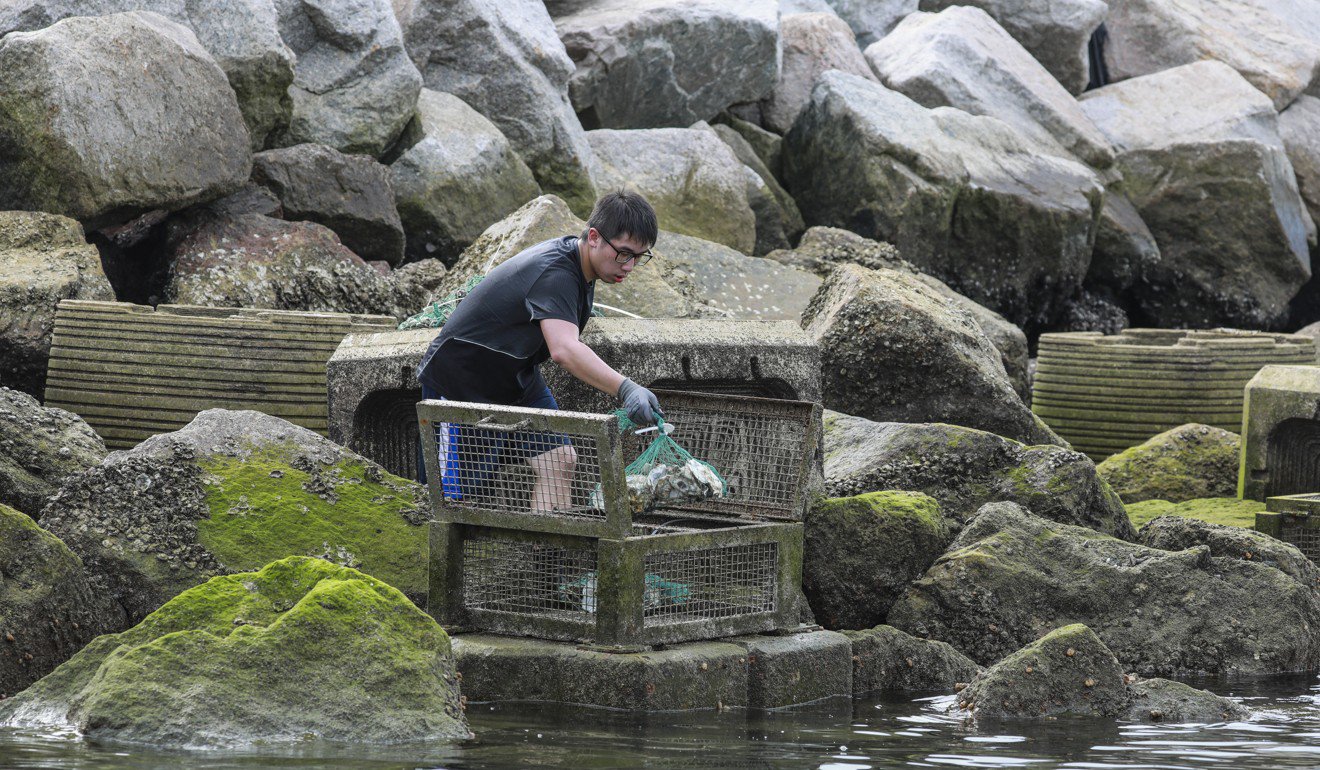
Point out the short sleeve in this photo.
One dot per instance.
(554, 295)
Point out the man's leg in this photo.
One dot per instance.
(554, 468)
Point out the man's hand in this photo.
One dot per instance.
(641, 404)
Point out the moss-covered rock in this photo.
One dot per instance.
(862, 552)
(1186, 463)
(1160, 700)
(232, 491)
(964, 469)
(299, 649)
(1177, 533)
(1011, 576)
(1067, 671)
(39, 448)
(1228, 511)
(48, 611)
(885, 658)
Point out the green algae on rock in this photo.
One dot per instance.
(1228, 511)
(48, 611)
(860, 553)
(229, 492)
(301, 649)
(1186, 463)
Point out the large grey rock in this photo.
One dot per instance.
(960, 57)
(1125, 253)
(350, 194)
(1056, 32)
(48, 608)
(505, 60)
(1161, 700)
(1067, 671)
(769, 146)
(654, 63)
(964, 469)
(354, 87)
(1189, 462)
(885, 336)
(860, 553)
(965, 198)
(1203, 163)
(242, 35)
(887, 659)
(1011, 576)
(105, 118)
(872, 19)
(456, 175)
(232, 491)
(1148, 36)
(250, 260)
(733, 284)
(43, 259)
(696, 184)
(812, 44)
(1178, 533)
(1299, 127)
(646, 291)
(778, 220)
(39, 449)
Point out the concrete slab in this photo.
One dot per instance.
(798, 668)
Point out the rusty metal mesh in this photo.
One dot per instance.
(710, 583)
(1303, 533)
(508, 575)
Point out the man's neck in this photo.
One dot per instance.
(587, 271)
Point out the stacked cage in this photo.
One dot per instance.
(1294, 519)
(534, 534)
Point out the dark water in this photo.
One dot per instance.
(842, 735)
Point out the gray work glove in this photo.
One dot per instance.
(641, 404)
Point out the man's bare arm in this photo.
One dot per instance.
(578, 359)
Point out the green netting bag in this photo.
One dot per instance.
(435, 315)
(666, 474)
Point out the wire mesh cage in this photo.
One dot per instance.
(534, 535)
(1294, 519)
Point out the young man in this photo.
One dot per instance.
(529, 309)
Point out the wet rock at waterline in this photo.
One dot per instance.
(1161, 700)
(350, 194)
(885, 336)
(232, 491)
(455, 175)
(40, 448)
(101, 135)
(1011, 576)
(48, 609)
(44, 258)
(300, 649)
(964, 469)
(887, 660)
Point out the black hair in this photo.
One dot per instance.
(623, 212)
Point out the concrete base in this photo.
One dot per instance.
(760, 672)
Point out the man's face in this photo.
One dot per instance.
(604, 256)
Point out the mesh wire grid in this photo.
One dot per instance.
(758, 446)
(529, 578)
(499, 470)
(710, 583)
(1307, 538)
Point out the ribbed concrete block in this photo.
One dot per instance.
(1104, 394)
(132, 372)
(1281, 433)
(373, 384)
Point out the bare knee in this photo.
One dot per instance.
(558, 462)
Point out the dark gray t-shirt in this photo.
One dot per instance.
(491, 348)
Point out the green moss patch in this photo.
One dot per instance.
(263, 509)
(302, 648)
(1215, 510)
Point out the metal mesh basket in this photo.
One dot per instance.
(1294, 519)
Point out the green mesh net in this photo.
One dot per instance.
(664, 451)
(435, 315)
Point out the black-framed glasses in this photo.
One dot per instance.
(623, 255)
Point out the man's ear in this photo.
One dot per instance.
(593, 237)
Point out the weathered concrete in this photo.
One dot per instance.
(1105, 394)
(887, 659)
(1280, 429)
(796, 668)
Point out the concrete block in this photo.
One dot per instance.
(1281, 433)
(1104, 394)
(885, 658)
(797, 668)
(132, 371)
(696, 675)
